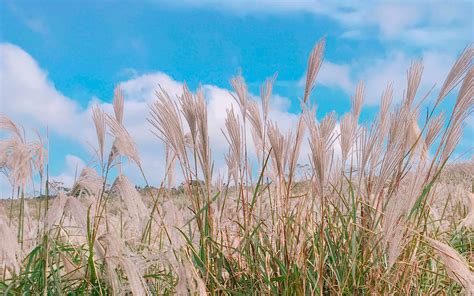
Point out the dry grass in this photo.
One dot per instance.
(375, 214)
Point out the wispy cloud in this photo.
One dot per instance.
(381, 71)
(71, 172)
(334, 76)
(411, 22)
(34, 22)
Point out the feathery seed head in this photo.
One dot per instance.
(314, 63)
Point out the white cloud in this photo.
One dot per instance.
(28, 96)
(74, 166)
(142, 88)
(381, 71)
(390, 19)
(38, 103)
(334, 75)
(393, 18)
(278, 102)
(393, 69)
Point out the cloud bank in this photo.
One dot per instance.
(30, 98)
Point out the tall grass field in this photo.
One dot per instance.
(382, 207)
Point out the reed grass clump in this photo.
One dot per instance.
(380, 211)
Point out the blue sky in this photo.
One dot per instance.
(60, 57)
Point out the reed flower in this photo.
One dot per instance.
(456, 265)
(123, 143)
